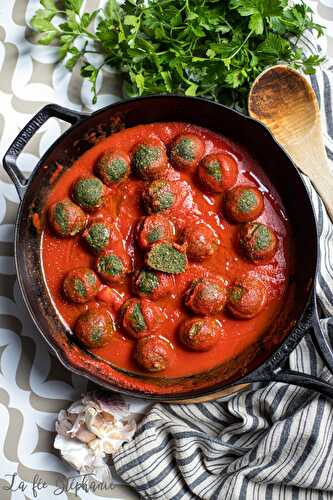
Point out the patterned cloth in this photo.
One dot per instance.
(274, 442)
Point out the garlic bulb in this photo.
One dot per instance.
(90, 429)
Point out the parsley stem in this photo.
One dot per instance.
(241, 46)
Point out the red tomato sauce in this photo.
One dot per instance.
(123, 206)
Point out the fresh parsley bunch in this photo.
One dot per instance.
(210, 48)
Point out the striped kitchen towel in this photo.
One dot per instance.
(273, 442)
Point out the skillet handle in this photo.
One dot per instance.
(294, 378)
(10, 159)
(273, 373)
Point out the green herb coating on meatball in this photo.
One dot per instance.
(184, 148)
(91, 278)
(110, 264)
(147, 281)
(138, 321)
(88, 192)
(213, 168)
(161, 197)
(98, 236)
(164, 257)
(263, 237)
(236, 293)
(155, 234)
(96, 334)
(194, 330)
(165, 200)
(115, 170)
(247, 201)
(61, 217)
(145, 156)
(80, 287)
(209, 292)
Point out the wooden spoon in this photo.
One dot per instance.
(285, 102)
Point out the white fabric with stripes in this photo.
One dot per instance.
(273, 442)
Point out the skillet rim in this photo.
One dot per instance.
(276, 357)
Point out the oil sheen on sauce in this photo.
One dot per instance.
(123, 206)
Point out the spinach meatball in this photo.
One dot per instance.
(186, 151)
(88, 192)
(113, 167)
(154, 228)
(94, 328)
(66, 219)
(154, 353)
(246, 297)
(149, 159)
(258, 242)
(81, 285)
(166, 257)
(159, 196)
(200, 334)
(218, 172)
(97, 236)
(206, 296)
(201, 240)
(111, 267)
(140, 317)
(152, 284)
(243, 204)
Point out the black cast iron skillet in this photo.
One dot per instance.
(265, 361)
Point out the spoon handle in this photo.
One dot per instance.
(310, 156)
